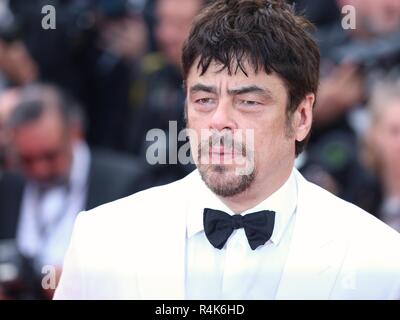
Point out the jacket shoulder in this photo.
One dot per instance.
(150, 202)
(345, 218)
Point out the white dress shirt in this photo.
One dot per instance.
(236, 271)
(56, 211)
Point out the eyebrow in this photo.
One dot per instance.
(202, 87)
(242, 90)
(251, 89)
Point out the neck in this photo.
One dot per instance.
(261, 189)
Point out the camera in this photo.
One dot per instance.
(380, 53)
(17, 277)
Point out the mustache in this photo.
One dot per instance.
(224, 139)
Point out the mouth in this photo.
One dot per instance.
(221, 155)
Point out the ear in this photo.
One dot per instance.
(302, 117)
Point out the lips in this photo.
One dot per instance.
(221, 154)
(221, 150)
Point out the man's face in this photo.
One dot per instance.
(232, 104)
(174, 19)
(378, 17)
(44, 150)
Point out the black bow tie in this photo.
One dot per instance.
(219, 225)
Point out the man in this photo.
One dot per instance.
(247, 225)
(382, 147)
(60, 176)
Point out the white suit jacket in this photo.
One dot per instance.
(134, 248)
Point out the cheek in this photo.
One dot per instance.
(385, 149)
(64, 161)
(271, 132)
(197, 121)
(59, 166)
(193, 131)
(272, 142)
(391, 147)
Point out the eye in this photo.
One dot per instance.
(249, 103)
(205, 101)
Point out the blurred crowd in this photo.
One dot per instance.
(77, 101)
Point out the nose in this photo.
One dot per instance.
(223, 117)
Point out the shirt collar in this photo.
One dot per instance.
(283, 202)
(80, 165)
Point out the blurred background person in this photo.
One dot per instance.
(17, 66)
(163, 98)
(60, 176)
(381, 150)
(346, 60)
(94, 53)
(350, 61)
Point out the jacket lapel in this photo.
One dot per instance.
(161, 262)
(316, 252)
(12, 188)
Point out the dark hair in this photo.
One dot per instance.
(37, 99)
(265, 33)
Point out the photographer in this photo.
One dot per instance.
(94, 53)
(351, 59)
(58, 176)
(346, 65)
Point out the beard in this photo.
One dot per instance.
(225, 180)
(52, 181)
(223, 183)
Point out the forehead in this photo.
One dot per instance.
(177, 8)
(48, 129)
(221, 77)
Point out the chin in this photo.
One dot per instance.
(224, 181)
